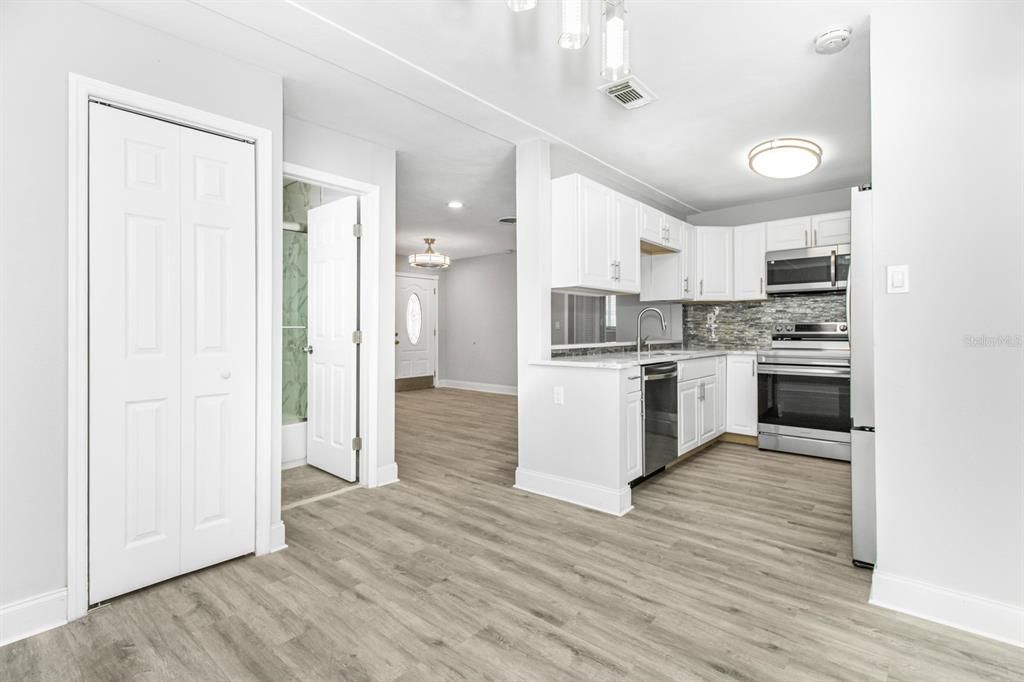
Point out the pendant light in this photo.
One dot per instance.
(575, 24)
(784, 157)
(614, 41)
(521, 5)
(429, 259)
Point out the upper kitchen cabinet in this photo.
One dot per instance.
(714, 264)
(825, 229)
(659, 232)
(748, 258)
(792, 233)
(829, 229)
(595, 238)
(668, 276)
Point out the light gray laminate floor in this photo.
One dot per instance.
(733, 565)
(302, 483)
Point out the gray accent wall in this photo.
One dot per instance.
(477, 321)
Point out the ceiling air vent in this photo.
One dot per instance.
(629, 92)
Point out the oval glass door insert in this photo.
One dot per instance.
(413, 318)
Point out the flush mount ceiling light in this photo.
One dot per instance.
(521, 5)
(429, 259)
(575, 27)
(454, 203)
(614, 41)
(784, 157)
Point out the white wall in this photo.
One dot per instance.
(41, 42)
(790, 207)
(477, 323)
(331, 151)
(949, 202)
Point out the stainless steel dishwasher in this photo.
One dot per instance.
(661, 415)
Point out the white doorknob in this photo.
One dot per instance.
(225, 374)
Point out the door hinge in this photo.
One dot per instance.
(357, 230)
(357, 443)
(357, 336)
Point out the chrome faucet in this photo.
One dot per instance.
(640, 318)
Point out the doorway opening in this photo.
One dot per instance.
(416, 338)
(320, 324)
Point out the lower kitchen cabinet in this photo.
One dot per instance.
(720, 394)
(633, 432)
(701, 401)
(689, 415)
(741, 395)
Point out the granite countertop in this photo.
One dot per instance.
(628, 359)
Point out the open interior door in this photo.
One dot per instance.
(333, 291)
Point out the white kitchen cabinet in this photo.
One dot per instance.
(714, 261)
(720, 394)
(689, 415)
(666, 276)
(708, 396)
(633, 432)
(652, 225)
(741, 394)
(626, 231)
(828, 229)
(595, 245)
(675, 233)
(792, 233)
(749, 262)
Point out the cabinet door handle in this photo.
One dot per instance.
(702, 287)
(762, 284)
(807, 238)
(612, 276)
(753, 368)
(686, 286)
(814, 242)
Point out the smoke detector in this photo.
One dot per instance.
(833, 39)
(629, 92)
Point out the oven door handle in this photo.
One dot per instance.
(838, 372)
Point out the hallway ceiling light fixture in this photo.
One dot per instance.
(429, 259)
(521, 5)
(784, 158)
(614, 41)
(454, 203)
(575, 24)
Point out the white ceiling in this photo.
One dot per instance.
(728, 75)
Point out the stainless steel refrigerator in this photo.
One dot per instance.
(860, 311)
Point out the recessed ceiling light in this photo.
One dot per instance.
(784, 157)
(454, 203)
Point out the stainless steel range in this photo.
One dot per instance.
(803, 390)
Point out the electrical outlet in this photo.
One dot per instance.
(559, 395)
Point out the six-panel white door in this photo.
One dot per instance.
(415, 326)
(332, 321)
(172, 355)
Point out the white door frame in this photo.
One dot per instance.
(269, 529)
(437, 314)
(369, 355)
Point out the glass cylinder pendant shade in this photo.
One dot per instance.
(614, 41)
(575, 24)
(429, 258)
(520, 5)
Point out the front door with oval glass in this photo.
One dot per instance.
(415, 326)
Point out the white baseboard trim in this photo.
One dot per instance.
(293, 445)
(981, 616)
(277, 542)
(602, 499)
(477, 386)
(31, 616)
(386, 475)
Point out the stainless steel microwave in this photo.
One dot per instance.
(818, 268)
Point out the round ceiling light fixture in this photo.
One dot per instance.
(833, 39)
(454, 203)
(784, 157)
(429, 259)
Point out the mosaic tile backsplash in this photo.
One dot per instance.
(747, 325)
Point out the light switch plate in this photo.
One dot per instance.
(897, 279)
(559, 395)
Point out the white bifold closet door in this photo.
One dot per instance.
(172, 350)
